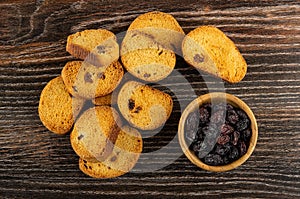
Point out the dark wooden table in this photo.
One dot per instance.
(37, 163)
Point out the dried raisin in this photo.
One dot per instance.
(204, 115)
(219, 133)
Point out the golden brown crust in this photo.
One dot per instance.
(123, 158)
(147, 51)
(56, 107)
(96, 46)
(207, 48)
(69, 74)
(88, 81)
(156, 19)
(144, 107)
(106, 100)
(95, 133)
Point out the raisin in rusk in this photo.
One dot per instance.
(122, 159)
(149, 47)
(208, 49)
(95, 133)
(144, 107)
(99, 47)
(88, 81)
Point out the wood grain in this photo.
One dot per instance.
(36, 163)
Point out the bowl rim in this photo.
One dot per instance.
(218, 96)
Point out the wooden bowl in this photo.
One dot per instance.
(213, 98)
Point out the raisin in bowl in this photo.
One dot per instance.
(217, 132)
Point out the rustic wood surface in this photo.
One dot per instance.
(37, 163)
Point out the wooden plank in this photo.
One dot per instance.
(37, 163)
